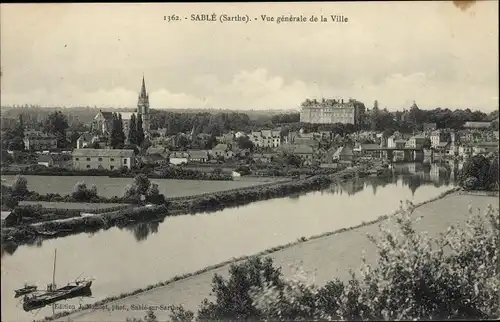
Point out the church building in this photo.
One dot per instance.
(143, 107)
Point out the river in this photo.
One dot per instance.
(122, 260)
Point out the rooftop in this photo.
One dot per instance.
(302, 149)
(103, 153)
(198, 154)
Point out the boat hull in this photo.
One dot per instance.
(63, 293)
(25, 291)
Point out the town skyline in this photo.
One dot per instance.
(239, 67)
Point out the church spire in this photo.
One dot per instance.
(143, 88)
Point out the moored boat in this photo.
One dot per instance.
(52, 294)
(25, 290)
(76, 289)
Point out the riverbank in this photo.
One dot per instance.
(209, 202)
(322, 252)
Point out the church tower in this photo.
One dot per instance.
(143, 106)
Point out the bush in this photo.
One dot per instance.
(149, 317)
(82, 193)
(479, 167)
(453, 276)
(20, 186)
(471, 183)
(143, 187)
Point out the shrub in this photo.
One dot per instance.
(453, 276)
(149, 317)
(493, 174)
(479, 167)
(471, 183)
(20, 186)
(82, 193)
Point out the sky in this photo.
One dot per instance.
(434, 53)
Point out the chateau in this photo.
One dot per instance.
(330, 111)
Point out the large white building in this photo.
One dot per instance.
(330, 111)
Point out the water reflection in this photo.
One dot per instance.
(184, 244)
(411, 175)
(142, 230)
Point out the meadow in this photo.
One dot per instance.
(73, 205)
(110, 187)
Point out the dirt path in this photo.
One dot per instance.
(329, 257)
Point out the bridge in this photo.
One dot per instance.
(392, 154)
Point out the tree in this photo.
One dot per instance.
(182, 141)
(16, 144)
(140, 131)
(253, 273)
(56, 124)
(132, 131)
(149, 317)
(477, 167)
(20, 186)
(493, 174)
(244, 142)
(374, 117)
(138, 188)
(82, 193)
(19, 130)
(153, 195)
(121, 133)
(427, 144)
(114, 136)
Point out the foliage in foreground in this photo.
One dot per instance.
(450, 277)
(480, 173)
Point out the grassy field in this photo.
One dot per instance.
(325, 258)
(110, 187)
(72, 205)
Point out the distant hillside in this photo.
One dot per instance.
(86, 114)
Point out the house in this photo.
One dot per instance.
(465, 150)
(102, 122)
(430, 127)
(219, 151)
(438, 136)
(179, 157)
(154, 159)
(266, 138)
(110, 159)
(40, 141)
(237, 135)
(477, 125)
(228, 137)
(85, 140)
(263, 157)
(343, 154)
(304, 151)
(416, 142)
(45, 160)
(442, 147)
(241, 153)
(399, 144)
(485, 148)
(198, 156)
(54, 160)
(154, 150)
(368, 150)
